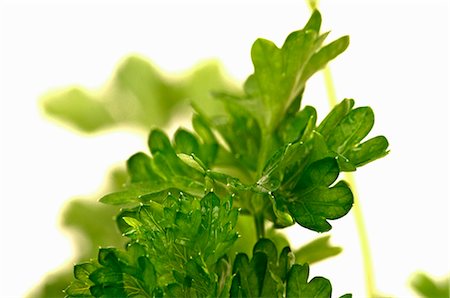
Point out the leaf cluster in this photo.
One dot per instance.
(260, 152)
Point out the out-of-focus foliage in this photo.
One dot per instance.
(139, 95)
(317, 250)
(81, 217)
(428, 287)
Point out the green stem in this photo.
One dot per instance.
(259, 224)
(357, 211)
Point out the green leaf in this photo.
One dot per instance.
(262, 276)
(186, 142)
(343, 130)
(78, 289)
(83, 271)
(159, 142)
(276, 70)
(322, 172)
(280, 73)
(320, 59)
(317, 250)
(77, 107)
(368, 151)
(335, 116)
(298, 126)
(298, 286)
(139, 168)
(314, 201)
(429, 287)
(135, 192)
(351, 129)
(314, 22)
(138, 94)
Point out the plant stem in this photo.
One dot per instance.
(259, 224)
(357, 211)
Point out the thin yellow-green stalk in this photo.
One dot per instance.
(357, 211)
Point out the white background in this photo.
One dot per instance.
(397, 63)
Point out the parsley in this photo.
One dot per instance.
(257, 154)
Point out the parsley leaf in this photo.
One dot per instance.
(176, 246)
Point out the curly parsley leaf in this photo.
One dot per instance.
(167, 169)
(268, 274)
(176, 247)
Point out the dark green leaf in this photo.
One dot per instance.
(343, 130)
(140, 168)
(314, 201)
(321, 173)
(331, 121)
(186, 142)
(351, 129)
(368, 151)
(298, 285)
(159, 142)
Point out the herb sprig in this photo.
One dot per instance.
(259, 154)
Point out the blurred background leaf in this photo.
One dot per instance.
(429, 287)
(139, 95)
(317, 250)
(91, 225)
